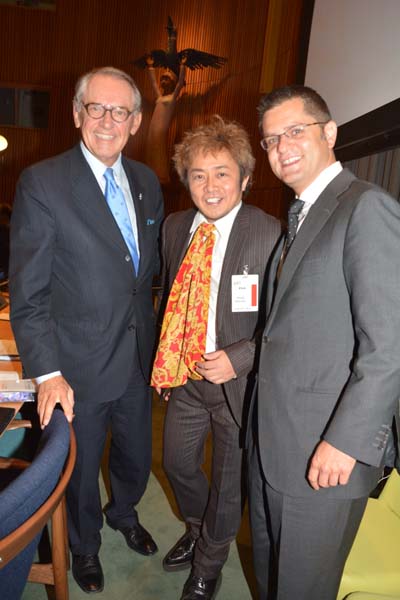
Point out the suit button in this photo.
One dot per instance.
(131, 328)
(266, 339)
(134, 292)
(127, 258)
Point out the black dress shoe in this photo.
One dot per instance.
(87, 572)
(181, 555)
(139, 539)
(198, 588)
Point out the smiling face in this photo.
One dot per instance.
(298, 162)
(215, 184)
(105, 138)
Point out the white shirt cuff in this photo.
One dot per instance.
(47, 376)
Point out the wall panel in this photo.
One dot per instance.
(52, 49)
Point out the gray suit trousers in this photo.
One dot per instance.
(213, 511)
(312, 537)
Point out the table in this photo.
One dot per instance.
(12, 365)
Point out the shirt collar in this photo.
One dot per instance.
(223, 225)
(313, 191)
(98, 167)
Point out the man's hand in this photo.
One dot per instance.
(216, 368)
(50, 392)
(329, 467)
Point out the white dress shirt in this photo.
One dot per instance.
(98, 169)
(223, 230)
(313, 191)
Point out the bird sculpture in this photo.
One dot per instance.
(172, 59)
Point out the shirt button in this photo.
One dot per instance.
(127, 258)
(266, 339)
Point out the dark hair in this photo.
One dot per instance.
(314, 104)
(212, 138)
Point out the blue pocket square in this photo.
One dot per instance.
(150, 222)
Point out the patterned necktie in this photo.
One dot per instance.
(184, 329)
(116, 201)
(293, 221)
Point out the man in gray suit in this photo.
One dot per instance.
(81, 307)
(215, 162)
(329, 371)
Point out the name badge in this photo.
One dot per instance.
(244, 293)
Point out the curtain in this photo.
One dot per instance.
(382, 169)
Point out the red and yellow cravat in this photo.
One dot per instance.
(184, 329)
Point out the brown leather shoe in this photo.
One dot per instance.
(181, 555)
(198, 588)
(87, 572)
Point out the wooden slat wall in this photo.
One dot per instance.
(52, 49)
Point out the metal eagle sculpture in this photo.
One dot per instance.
(172, 59)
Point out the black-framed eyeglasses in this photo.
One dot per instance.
(119, 114)
(293, 132)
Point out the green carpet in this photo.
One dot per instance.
(131, 576)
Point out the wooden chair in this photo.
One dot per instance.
(18, 545)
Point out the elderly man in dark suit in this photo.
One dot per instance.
(83, 253)
(329, 371)
(215, 163)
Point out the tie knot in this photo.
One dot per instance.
(109, 174)
(206, 228)
(296, 207)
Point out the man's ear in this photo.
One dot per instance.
(330, 133)
(77, 116)
(137, 119)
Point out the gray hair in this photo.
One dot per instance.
(83, 82)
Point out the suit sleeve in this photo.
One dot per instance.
(32, 238)
(362, 421)
(241, 354)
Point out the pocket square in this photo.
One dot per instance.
(150, 222)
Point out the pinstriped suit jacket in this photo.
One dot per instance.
(253, 236)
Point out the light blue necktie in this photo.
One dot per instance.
(116, 201)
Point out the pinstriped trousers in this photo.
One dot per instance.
(211, 509)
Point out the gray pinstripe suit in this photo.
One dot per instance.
(214, 514)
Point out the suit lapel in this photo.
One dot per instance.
(318, 215)
(178, 240)
(138, 194)
(90, 199)
(233, 263)
(273, 271)
(88, 195)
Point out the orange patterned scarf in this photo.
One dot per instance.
(183, 333)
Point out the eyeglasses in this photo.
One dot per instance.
(295, 132)
(119, 114)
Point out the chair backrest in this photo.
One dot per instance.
(27, 503)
